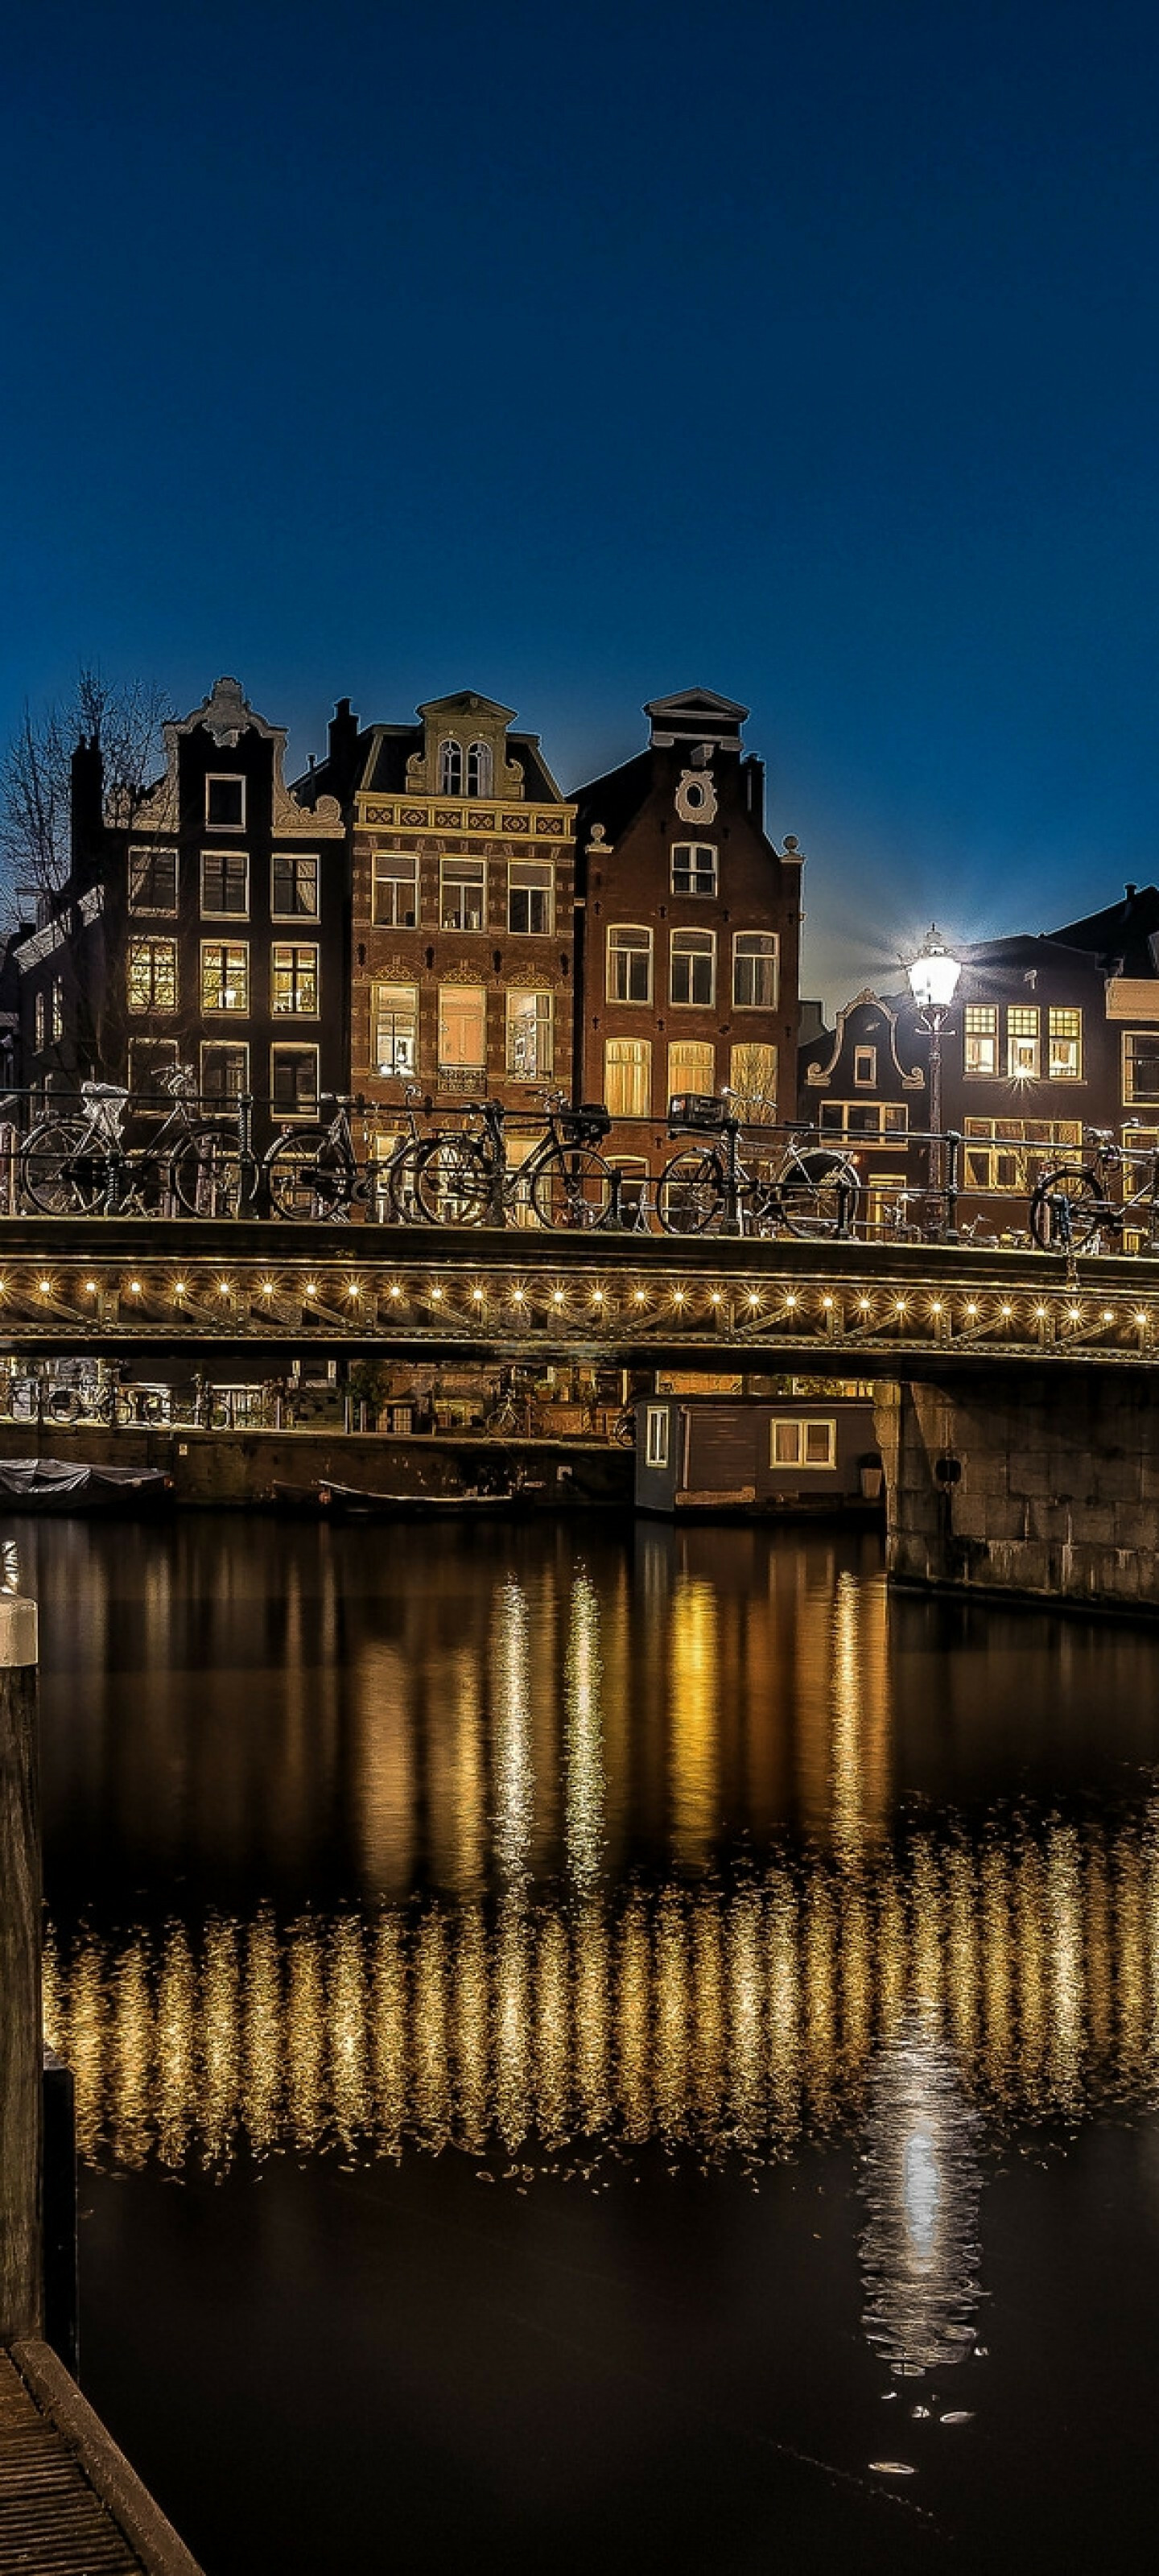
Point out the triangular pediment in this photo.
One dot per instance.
(686, 704)
(467, 702)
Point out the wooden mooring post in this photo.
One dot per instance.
(21, 2007)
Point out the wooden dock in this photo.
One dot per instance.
(70, 2505)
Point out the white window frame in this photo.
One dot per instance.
(479, 757)
(539, 877)
(865, 1068)
(215, 912)
(463, 859)
(696, 893)
(137, 1048)
(705, 947)
(1131, 1096)
(986, 1036)
(1023, 1046)
(295, 859)
(1058, 1072)
(152, 911)
(544, 1065)
(384, 872)
(656, 1435)
(151, 940)
(225, 778)
(216, 1046)
(291, 1046)
(638, 1065)
(801, 1425)
(450, 754)
(641, 933)
(393, 1072)
(294, 1010)
(225, 1010)
(769, 955)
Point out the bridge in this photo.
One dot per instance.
(1016, 1391)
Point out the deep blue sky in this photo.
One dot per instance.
(806, 348)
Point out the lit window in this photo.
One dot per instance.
(152, 880)
(152, 974)
(981, 1037)
(628, 1077)
(462, 1028)
(464, 894)
(656, 1436)
(864, 1067)
(694, 967)
(1022, 1041)
(295, 981)
(57, 1010)
(753, 1078)
(395, 1029)
(691, 1066)
(295, 885)
(225, 976)
(225, 881)
(530, 896)
(479, 769)
(629, 964)
(1065, 1034)
(394, 898)
(40, 1021)
(294, 1081)
(793, 1443)
(450, 768)
(225, 804)
(693, 867)
(530, 1036)
(1140, 1065)
(224, 1073)
(754, 970)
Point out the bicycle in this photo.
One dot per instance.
(813, 1192)
(312, 1171)
(462, 1177)
(1071, 1206)
(73, 1165)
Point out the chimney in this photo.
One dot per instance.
(343, 755)
(86, 803)
(752, 771)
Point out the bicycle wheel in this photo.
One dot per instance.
(309, 1175)
(819, 1194)
(572, 1188)
(396, 1180)
(210, 1174)
(59, 1172)
(690, 1192)
(1066, 1209)
(452, 1181)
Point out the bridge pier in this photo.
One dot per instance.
(1042, 1483)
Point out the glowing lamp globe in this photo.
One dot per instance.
(933, 974)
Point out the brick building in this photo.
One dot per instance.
(690, 930)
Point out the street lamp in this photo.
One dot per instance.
(933, 981)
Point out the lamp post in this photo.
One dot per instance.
(933, 981)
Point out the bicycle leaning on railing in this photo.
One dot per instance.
(462, 1176)
(709, 1188)
(313, 1171)
(77, 1163)
(1072, 1209)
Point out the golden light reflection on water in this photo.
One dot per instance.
(731, 2018)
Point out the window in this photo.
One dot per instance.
(225, 975)
(225, 804)
(1140, 1065)
(152, 974)
(753, 1078)
(295, 981)
(1065, 1036)
(863, 1118)
(450, 768)
(693, 867)
(57, 1010)
(394, 899)
(691, 1066)
(656, 1436)
(865, 1067)
(479, 769)
(530, 896)
(981, 1037)
(530, 1036)
(394, 1034)
(793, 1443)
(40, 1021)
(628, 1077)
(629, 964)
(694, 967)
(225, 1072)
(754, 970)
(295, 885)
(462, 1027)
(294, 1081)
(1022, 1041)
(1008, 1154)
(225, 881)
(149, 1059)
(464, 894)
(152, 880)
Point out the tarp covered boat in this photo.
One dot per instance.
(60, 1485)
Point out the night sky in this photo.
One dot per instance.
(806, 349)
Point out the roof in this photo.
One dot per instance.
(1121, 936)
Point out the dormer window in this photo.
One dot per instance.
(450, 768)
(479, 769)
(225, 804)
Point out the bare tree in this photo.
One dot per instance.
(124, 720)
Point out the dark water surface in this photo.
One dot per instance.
(600, 2048)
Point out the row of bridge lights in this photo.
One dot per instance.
(679, 1296)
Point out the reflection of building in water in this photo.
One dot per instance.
(921, 2182)
(511, 1707)
(584, 1779)
(694, 1681)
(734, 2017)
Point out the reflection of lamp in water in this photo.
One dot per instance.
(514, 1778)
(584, 1776)
(694, 1673)
(921, 2182)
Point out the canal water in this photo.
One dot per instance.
(604, 2047)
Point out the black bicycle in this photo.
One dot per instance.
(809, 1190)
(463, 1176)
(1071, 1209)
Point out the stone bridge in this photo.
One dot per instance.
(1016, 1393)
